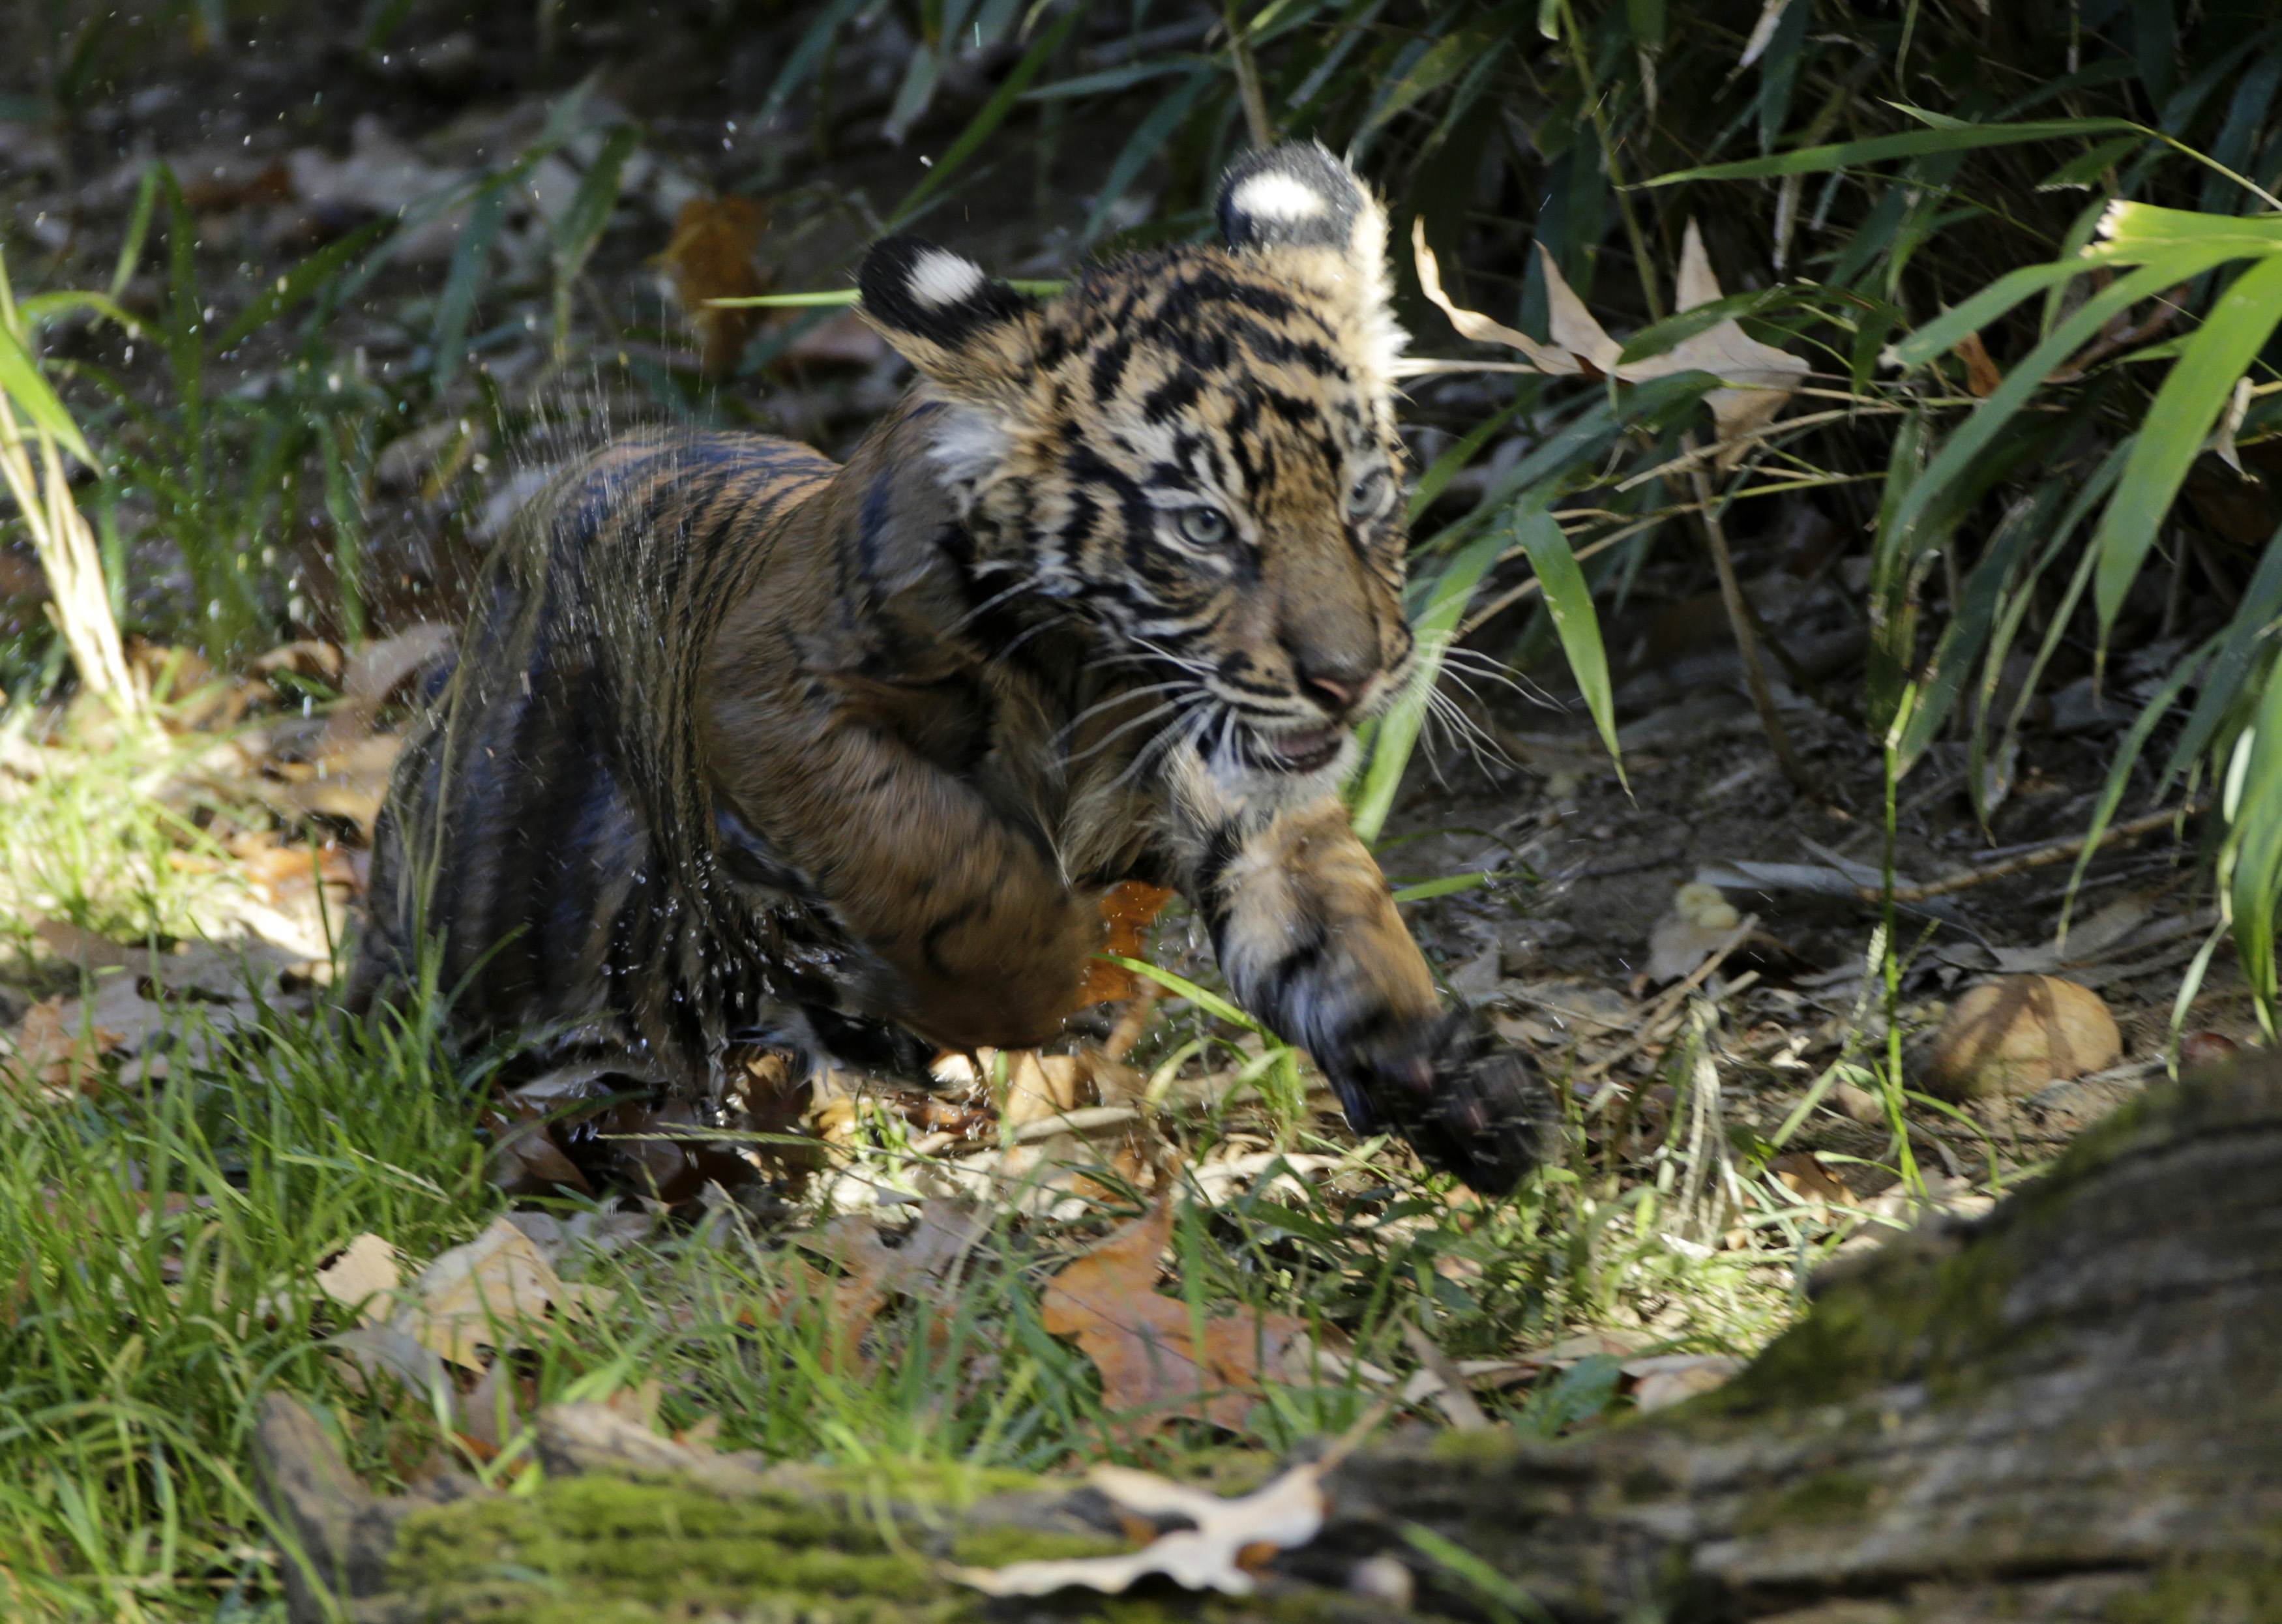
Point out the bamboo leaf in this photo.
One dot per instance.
(2178, 423)
(1910, 143)
(1991, 415)
(1398, 730)
(2238, 649)
(2252, 863)
(2182, 262)
(800, 67)
(1570, 602)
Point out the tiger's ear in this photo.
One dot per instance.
(1308, 217)
(974, 337)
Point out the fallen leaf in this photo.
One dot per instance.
(484, 1294)
(55, 1054)
(373, 676)
(710, 256)
(384, 1350)
(1667, 1379)
(1128, 909)
(638, 1403)
(1283, 1513)
(1692, 930)
(1758, 379)
(1146, 1346)
(364, 1277)
(872, 1271)
(83, 948)
(1980, 374)
(1802, 1173)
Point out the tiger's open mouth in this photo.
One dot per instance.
(1308, 751)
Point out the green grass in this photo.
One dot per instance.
(158, 1260)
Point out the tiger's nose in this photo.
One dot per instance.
(1336, 688)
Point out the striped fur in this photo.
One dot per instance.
(741, 745)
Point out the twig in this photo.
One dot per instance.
(1747, 643)
(2035, 857)
(1247, 79)
(1669, 1000)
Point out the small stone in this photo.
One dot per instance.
(2014, 1035)
(1383, 1579)
(2206, 1048)
(1859, 1104)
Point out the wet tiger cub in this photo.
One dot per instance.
(744, 746)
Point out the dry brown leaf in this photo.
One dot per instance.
(364, 1277)
(1761, 378)
(1473, 324)
(1146, 1346)
(711, 256)
(56, 1052)
(1757, 378)
(84, 948)
(1667, 1379)
(1802, 1173)
(872, 1271)
(1980, 374)
(374, 674)
(1128, 909)
(1213, 1555)
(480, 1294)
(639, 1403)
(1694, 927)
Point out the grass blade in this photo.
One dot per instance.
(304, 279)
(21, 381)
(2252, 863)
(456, 305)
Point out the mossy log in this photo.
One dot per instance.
(2070, 1409)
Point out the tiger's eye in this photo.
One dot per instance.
(1367, 497)
(1204, 526)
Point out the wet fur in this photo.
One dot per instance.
(742, 746)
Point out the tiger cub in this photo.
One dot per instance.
(744, 746)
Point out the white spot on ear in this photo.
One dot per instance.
(1274, 194)
(940, 278)
(967, 445)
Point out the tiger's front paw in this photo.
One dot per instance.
(1467, 1104)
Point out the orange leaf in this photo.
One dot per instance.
(710, 256)
(1146, 1346)
(1980, 374)
(1128, 909)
